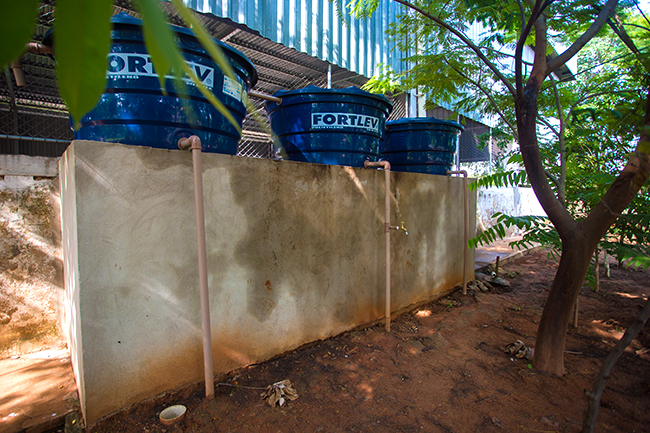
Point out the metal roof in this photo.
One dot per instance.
(319, 28)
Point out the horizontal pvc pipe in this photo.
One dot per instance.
(22, 137)
(264, 96)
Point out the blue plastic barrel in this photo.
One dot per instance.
(134, 110)
(421, 144)
(330, 126)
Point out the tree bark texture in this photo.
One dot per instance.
(557, 314)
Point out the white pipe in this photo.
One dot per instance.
(35, 47)
(329, 75)
(194, 143)
(17, 67)
(387, 227)
(258, 95)
(19, 74)
(466, 218)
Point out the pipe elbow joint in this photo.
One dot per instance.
(370, 164)
(461, 172)
(192, 142)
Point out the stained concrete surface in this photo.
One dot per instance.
(487, 254)
(39, 389)
(295, 254)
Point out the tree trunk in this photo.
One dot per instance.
(596, 271)
(551, 334)
(579, 239)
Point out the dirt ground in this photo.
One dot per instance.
(31, 277)
(441, 369)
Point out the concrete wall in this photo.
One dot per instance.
(295, 254)
(510, 201)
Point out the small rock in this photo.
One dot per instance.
(499, 281)
(480, 276)
(550, 421)
(4, 318)
(414, 346)
(496, 421)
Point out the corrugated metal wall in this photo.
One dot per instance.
(316, 28)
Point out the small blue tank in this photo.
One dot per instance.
(421, 144)
(330, 126)
(134, 110)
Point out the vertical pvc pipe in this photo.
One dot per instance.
(194, 143)
(387, 228)
(466, 228)
(329, 75)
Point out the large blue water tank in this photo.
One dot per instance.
(421, 144)
(330, 126)
(134, 110)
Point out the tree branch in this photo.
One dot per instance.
(527, 116)
(641, 11)
(595, 27)
(538, 8)
(561, 184)
(591, 413)
(593, 95)
(491, 99)
(552, 178)
(465, 40)
(549, 126)
(613, 59)
(647, 29)
(626, 185)
(522, 12)
(615, 24)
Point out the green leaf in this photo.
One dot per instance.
(160, 42)
(211, 97)
(167, 57)
(16, 28)
(82, 40)
(204, 37)
(217, 55)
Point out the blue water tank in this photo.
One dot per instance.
(134, 110)
(421, 144)
(330, 126)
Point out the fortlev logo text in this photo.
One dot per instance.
(344, 120)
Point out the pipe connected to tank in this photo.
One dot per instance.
(194, 143)
(17, 66)
(387, 228)
(258, 95)
(466, 218)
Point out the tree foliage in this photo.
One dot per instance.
(587, 127)
(567, 132)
